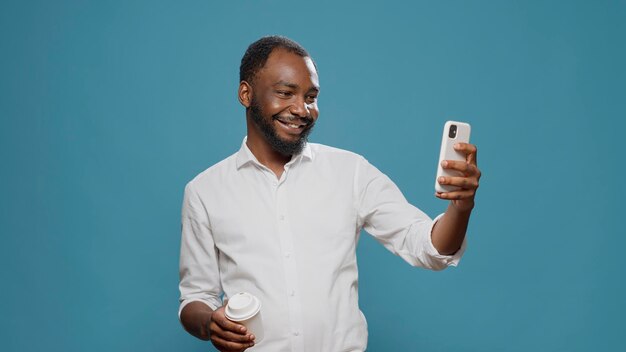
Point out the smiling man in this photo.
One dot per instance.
(281, 219)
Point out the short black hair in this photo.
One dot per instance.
(257, 53)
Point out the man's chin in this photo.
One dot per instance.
(291, 139)
(290, 146)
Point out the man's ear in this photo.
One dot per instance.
(245, 94)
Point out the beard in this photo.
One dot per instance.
(268, 130)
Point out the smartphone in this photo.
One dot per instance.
(453, 132)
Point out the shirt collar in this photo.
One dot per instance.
(245, 156)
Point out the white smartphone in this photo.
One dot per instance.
(453, 132)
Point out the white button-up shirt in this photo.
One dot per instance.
(292, 242)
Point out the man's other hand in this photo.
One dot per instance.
(204, 323)
(226, 335)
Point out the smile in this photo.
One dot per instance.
(294, 128)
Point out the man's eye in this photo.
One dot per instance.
(311, 98)
(283, 93)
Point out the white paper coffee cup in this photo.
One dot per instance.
(244, 308)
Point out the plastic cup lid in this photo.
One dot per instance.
(242, 306)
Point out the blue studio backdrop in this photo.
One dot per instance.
(108, 108)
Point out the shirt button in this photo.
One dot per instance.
(287, 254)
(295, 333)
(282, 217)
(293, 293)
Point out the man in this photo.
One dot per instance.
(281, 219)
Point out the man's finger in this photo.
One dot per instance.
(222, 344)
(467, 148)
(228, 325)
(231, 336)
(219, 317)
(464, 167)
(463, 182)
(473, 158)
(456, 195)
(470, 150)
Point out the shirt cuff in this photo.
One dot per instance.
(444, 261)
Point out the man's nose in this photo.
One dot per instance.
(300, 108)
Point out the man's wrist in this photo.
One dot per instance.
(462, 209)
(196, 317)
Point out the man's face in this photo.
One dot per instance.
(284, 101)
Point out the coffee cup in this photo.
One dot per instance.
(244, 308)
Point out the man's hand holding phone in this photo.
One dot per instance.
(467, 179)
(457, 172)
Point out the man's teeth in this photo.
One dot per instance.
(292, 125)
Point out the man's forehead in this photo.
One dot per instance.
(283, 65)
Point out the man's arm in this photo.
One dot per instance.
(200, 281)
(449, 231)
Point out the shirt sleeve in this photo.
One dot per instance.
(198, 269)
(399, 226)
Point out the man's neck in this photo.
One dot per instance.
(265, 154)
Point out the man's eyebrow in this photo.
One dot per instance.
(286, 84)
(295, 86)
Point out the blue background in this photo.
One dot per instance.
(109, 107)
